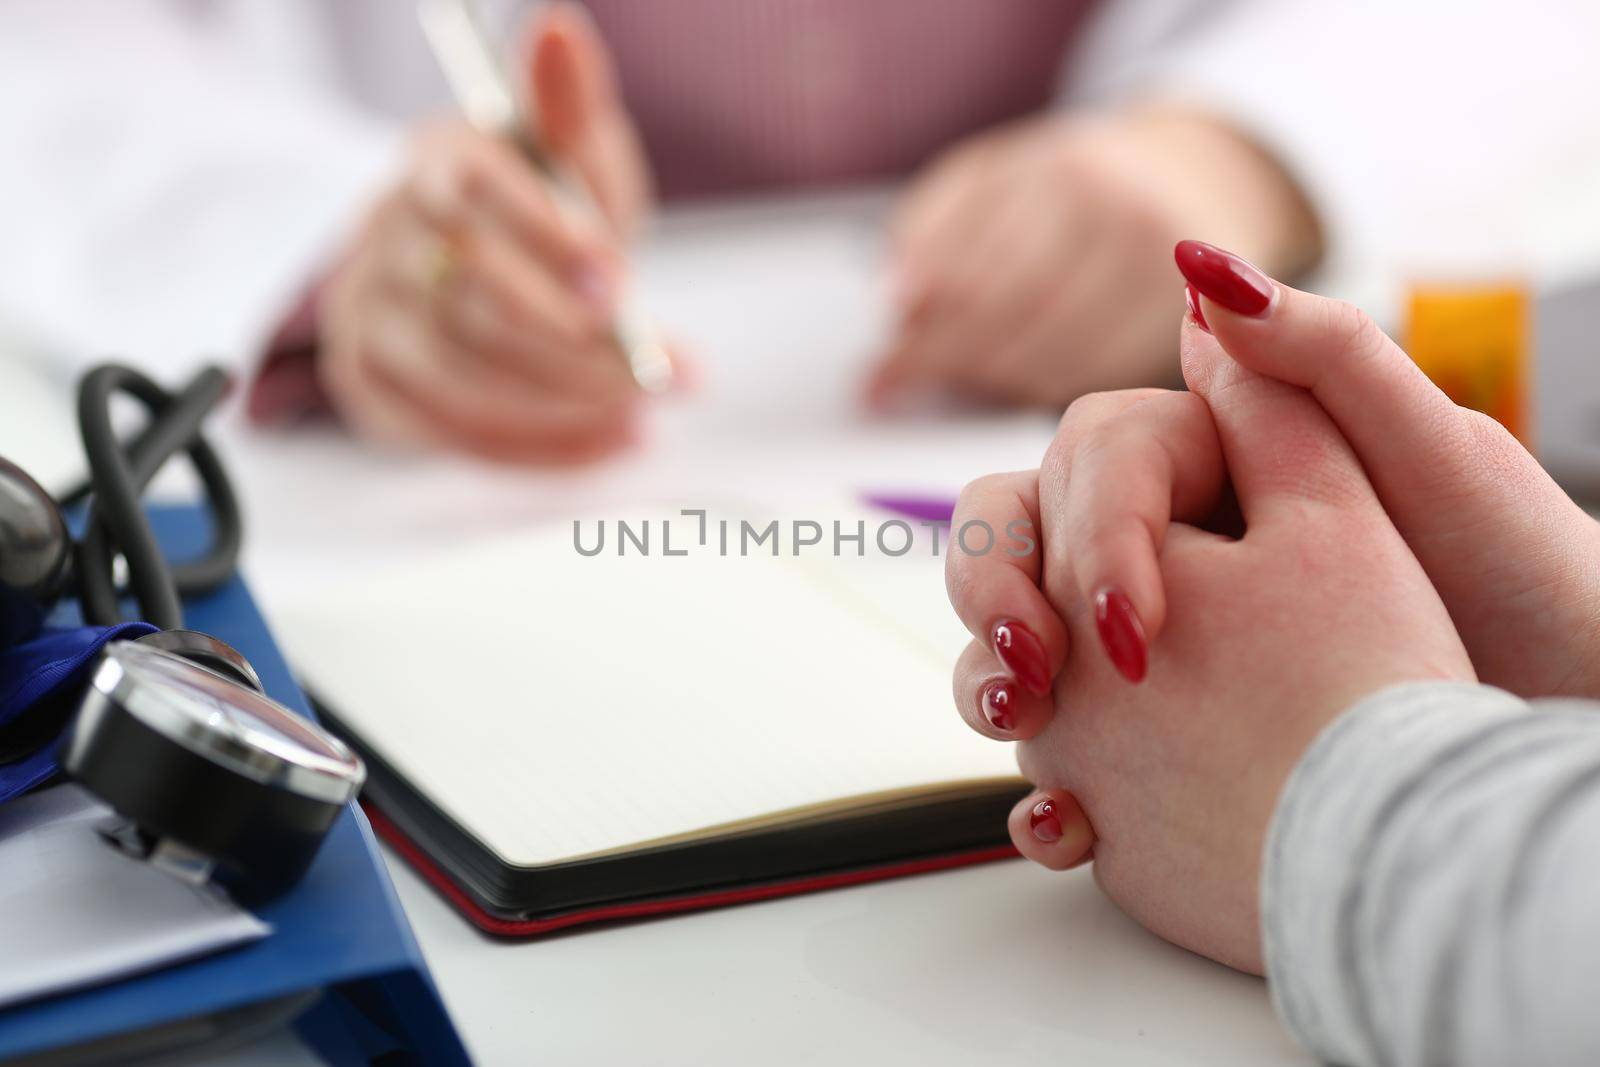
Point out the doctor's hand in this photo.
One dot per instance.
(1288, 596)
(469, 312)
(1031, 261)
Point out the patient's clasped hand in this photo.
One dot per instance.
(1224, 572)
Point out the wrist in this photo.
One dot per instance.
(1583, 613)
(285, 386)
(1238, 189)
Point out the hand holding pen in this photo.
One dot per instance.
(473, 309)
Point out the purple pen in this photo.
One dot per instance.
(921, 508)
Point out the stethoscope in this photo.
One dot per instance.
(210, 778)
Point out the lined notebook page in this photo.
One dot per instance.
(559, 706)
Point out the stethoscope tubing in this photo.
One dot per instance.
(117, 523)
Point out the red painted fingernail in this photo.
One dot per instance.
(1191, 295)
(1023, 655)
(1224, 277)
(1121, 633)
(999, 706)
(1044, 822)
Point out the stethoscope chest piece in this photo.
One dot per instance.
(212, 778)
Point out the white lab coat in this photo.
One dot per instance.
(173, 170)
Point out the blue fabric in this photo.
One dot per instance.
(52, 666)
(21, 618)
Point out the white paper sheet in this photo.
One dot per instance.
(75, 912)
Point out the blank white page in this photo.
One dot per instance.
(559, 706)
(75, 912)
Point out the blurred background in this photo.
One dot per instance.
(292, 190)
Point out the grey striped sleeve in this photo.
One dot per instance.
(1431, 884)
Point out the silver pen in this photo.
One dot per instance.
(476, 77)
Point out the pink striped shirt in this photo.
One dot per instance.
(743, 94)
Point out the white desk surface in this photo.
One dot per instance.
(998, 964)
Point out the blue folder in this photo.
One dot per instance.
(340, 930)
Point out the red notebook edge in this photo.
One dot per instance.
(419, 861)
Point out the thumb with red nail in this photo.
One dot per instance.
(1464, 493)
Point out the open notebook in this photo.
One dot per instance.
(561, 737)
